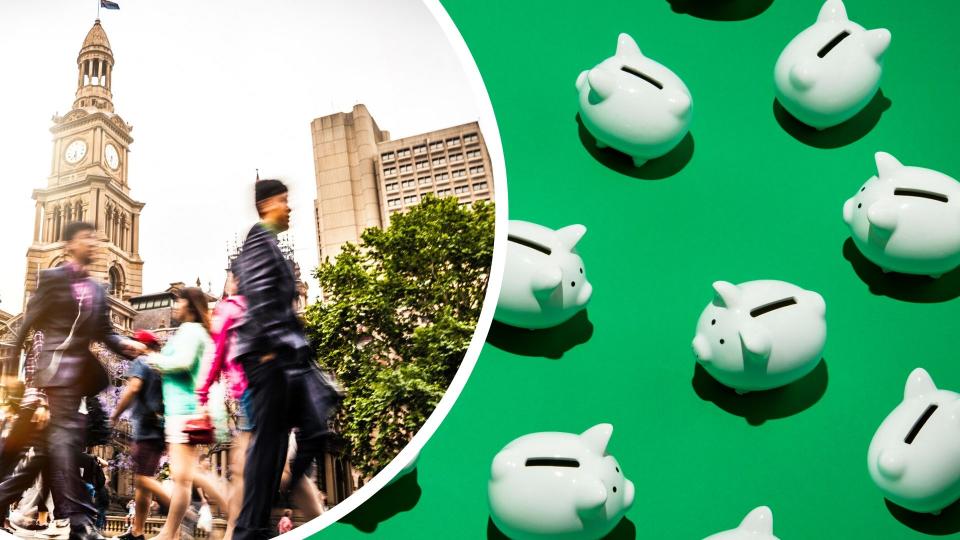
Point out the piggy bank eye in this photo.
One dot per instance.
(864, 188)
(573, 283)
(713, 322)
(581, 270)
(721, 341)
(859, 205)
(614, 489)
(617, 468)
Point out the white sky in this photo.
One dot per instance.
(214, 90)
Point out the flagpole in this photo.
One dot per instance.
(98, 9)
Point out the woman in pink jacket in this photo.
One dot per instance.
(227, 314)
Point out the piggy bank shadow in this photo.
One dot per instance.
(400, 496)
(848, 132)
(758, 407)
(905, 287)
(948, 522)
(546, 343)
(656, 169)
(720, 10)
(625, 530)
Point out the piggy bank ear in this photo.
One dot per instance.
(547, 278)
(877, 41)
(883, 215)
(597, 437)
(832, 10)
(758, 521)
(887, 165)
(727, 294)
(504, 463)
(570, 235)
(591, 494)
(626, 46)
(756, 340)
(918, 383)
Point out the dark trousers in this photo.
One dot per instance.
(17, 471)
(280, 399)
(65, 437)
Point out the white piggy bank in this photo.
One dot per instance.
(907, 219)
(830, 71)
(559, 486)
(914, 457)
(760, 334)
(633, 104)
(544, 282)
(758, 525)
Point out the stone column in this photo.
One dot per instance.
(36, 224)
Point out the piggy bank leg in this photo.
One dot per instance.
(638, 161)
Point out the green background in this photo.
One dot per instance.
(751, 197)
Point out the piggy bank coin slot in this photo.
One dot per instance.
(833, 43)
(772, 306)
(918, 425)
(553, 462)
(644, 76)
(530, 244)
(907, 192)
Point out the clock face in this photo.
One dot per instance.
(75, 151)
(112, 157)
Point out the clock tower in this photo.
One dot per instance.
(88, 182)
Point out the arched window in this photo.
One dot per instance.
(116, 282)
(78, 211)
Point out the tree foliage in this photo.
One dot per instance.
(397, 316)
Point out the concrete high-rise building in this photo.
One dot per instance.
(363, 177)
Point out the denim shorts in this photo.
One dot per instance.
(245, 413)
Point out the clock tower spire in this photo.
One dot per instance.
(95, 71)
(88, 182)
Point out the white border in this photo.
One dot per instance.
(491, 135)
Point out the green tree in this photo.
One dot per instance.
(397, 316)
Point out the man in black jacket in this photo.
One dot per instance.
(71, 310)
(283, 379)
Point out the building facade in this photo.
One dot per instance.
(363, 177)
(88, 182)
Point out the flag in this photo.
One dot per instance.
(107, 4)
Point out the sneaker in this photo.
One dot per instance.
(129, 536)
(57, 530)
(25, 527)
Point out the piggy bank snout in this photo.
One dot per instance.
(628, 493)
(583, 296)
(701, 348)
(848, 212)
(891, 464)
